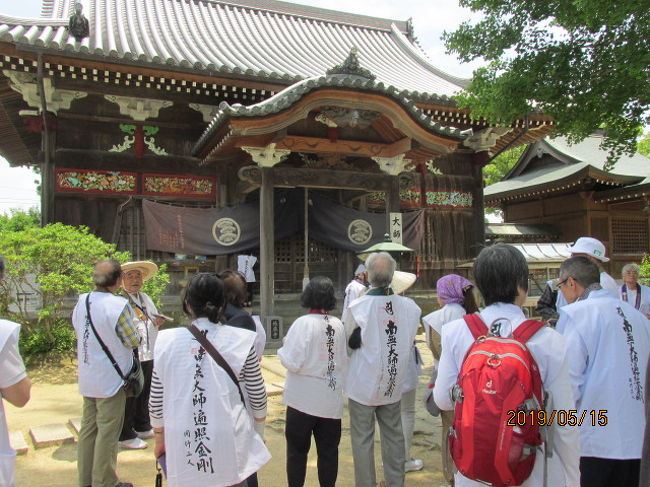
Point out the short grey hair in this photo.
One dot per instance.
(381, 267)
(107, 273)
(631, 267)
(582, 269)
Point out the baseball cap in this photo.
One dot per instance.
(589, 246)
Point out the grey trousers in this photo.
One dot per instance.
(101, 423)
(362, 435)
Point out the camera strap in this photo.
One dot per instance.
(101, 343)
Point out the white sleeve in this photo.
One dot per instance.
(260, 338)
(578, 360)
(447, 374)
(565, 440)
(12, 369)
(294, 350)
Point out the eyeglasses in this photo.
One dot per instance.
(557, 284)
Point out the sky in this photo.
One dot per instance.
(430, 19)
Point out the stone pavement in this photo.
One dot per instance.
(45, 433)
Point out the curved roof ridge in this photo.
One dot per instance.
(313, 13)
(419, 55)
(59, 9)
(38, 21)
(292, 94)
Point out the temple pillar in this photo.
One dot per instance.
(266, 158)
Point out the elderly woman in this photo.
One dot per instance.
(197, 407)
(315, 356)
(632, 292)
(456, 299)
(136, 427)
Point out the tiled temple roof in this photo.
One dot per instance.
(571, 163)
(245, 39)
(291, 95)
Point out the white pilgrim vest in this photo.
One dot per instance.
(377, 370)
(353, 290)
(7, 454)
(209, 432)
(97, 376)
(645, 298)
(146, 328)
(607, 365)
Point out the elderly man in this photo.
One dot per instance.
(550, 302)
(632, 292)
(501, 274)
(100, 384)
(136, 426)
(14, 388)
(609, 345)
(381, 329)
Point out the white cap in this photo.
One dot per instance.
(589, 246)
(360, 269)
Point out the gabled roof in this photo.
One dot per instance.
(553, 164)
(251, 39)
(293, 94)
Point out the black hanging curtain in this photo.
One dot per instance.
(219, 231)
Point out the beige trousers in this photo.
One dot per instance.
(101, 424)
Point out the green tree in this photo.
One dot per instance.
(501, 165)
(583, 63)
(643, 146)
(19, 220)
(54, 263)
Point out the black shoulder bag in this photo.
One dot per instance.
(134, 381)
(205, 343)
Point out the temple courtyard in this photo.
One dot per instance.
(46, 428)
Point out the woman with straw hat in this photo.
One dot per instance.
(137, 427)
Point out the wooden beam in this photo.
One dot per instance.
(126, 120)
(347, 147)
(122, 161)
(290, 177)
(401, 119)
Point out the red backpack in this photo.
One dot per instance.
(489, 441)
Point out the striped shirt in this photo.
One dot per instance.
(251, 376)
(126, 329)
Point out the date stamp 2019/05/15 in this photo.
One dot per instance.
(562, 417)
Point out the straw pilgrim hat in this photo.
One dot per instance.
(402, 281)
(148, 269)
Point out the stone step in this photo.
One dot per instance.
(50, 434)
(273, 390)
(275, 367)
(18, 443)
(75, 424)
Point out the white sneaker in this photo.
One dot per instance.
(134, 444)
(145, 435)
(413, 465)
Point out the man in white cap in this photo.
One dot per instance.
(136, 426)
(550, 302)
(355, 288)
